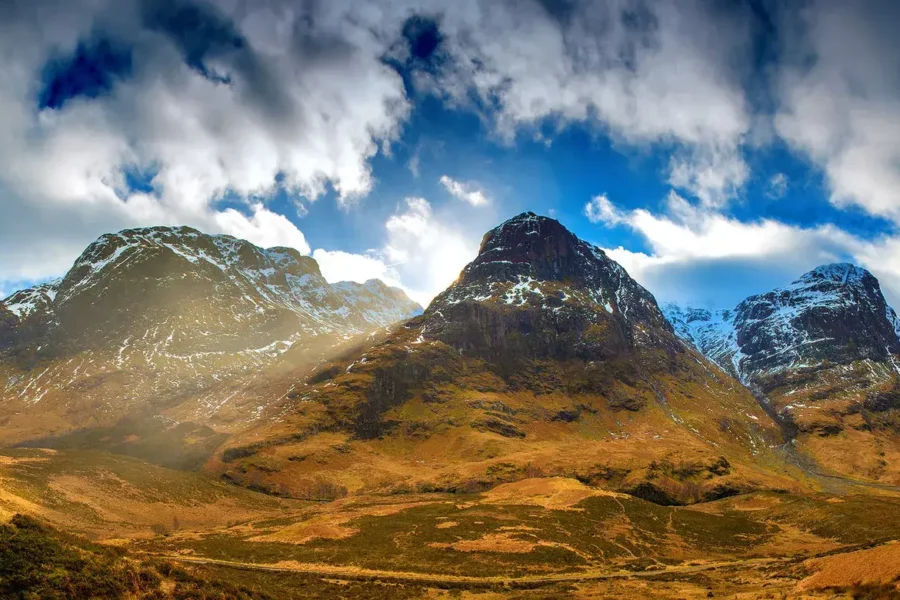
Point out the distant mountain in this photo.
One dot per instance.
(833, 313)
(823, 351)
(544, 357)
(150, 319)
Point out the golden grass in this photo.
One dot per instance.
(330, 525)
(557, 493)
(874, 565)
(503, 543)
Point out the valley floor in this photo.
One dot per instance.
(535, 538)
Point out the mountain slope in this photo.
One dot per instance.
(835, 312)
(147, 319)
(823, 352)
(544, 357)
(579, 302)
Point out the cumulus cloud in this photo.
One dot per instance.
(839, 98)
(467, 192)
(601, 210)
(655, 73)
(778, 186)
(428, 254)
(697, 255)
(252, 101)
(263, 228)
(422, 254)
(337, 265)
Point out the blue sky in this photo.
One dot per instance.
(714, 149)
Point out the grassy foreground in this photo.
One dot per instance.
(539, 537)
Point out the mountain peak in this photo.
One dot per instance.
(834, 273)
(833, 314)
(533, 246)
(532, 276)
(160, 315)
(123, 282)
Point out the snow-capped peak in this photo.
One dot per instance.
(833, 313)
(211, 282)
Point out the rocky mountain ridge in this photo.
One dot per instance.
(823, 355)
(157, 314)
(833, 313)
(569, 298)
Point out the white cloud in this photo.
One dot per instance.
(660, 73)
(337, 265)
(712, 175)
(422, 255)
(428, 254)
(601, 210)
(467, 192)
(303, 109)
(263, 228)
(839, 96)
(701, 256)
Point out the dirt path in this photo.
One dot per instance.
(528, 581)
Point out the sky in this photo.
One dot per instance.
(715, 148)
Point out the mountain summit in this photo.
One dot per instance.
(536, 290)
(834, 313)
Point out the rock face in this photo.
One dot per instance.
(543, 357)
(834, 313)
(537, 291)
(822, 353)
(192, 293)
(165, 312)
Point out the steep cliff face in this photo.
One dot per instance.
(822, 352)
(536, 291)
(150, 317)
(544, 356)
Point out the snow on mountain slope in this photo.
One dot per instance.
(559, 287)
(822, 353)
(833, 313)
(147, 315)
(256, 281)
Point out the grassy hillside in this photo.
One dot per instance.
(183, 535)
(105, 495)
(404, 415)
(40, 562)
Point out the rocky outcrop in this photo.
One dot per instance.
(821, 353)
(536, 291)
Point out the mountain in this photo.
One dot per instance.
(822, 352)
(150, 320)
(537, 291)
(544, 357)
